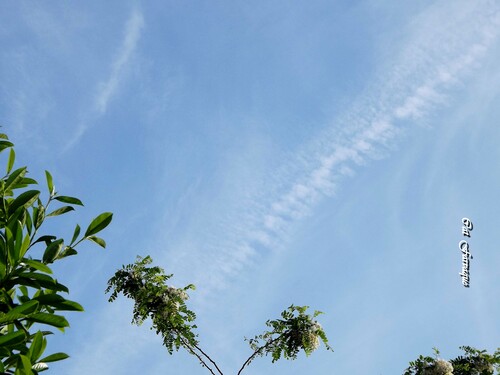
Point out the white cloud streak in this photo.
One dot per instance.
(445, 44)
(132, 35)
(109, 88)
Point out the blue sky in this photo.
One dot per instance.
(271, 153)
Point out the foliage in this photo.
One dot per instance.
(474, 362)
(29, 295)
(166, 306)
(297, 330)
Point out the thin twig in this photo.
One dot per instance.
(256, 353)
(191, 350)
(210, 359)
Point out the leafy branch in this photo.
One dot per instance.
(473, 362)
(166, 307)
(29, 295)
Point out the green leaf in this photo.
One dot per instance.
(10, 162)
(55, 357)
(52, 250)
(36, 348)
(18, 312)
(29, 222)
(39, 367)
(24, 199)
(38, 214)
(50, 184)
(12, 338)
(99, 223)
(61, 211)
(26, 308)
(76, 233)
(68, 251)
(98, 241)
(18, 241)
(24, 364)
(53, 320)
(37, 265)
(5, 144)
(14, 178)
(47, 239)
(58, 302)
(36, 280)
(10, 245)
(24, 246)
(67, 305)
(25, 181)
(23, 290)
(70, 200)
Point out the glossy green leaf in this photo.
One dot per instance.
(5, 144)
(10, 245)
(68, 305)
(39, 367)
(14, 178)
(61, 211)
(24, 246)
(36, 280)
(46, 279)
(19, 241)
(24, 364)
(58, 302)
(26, 308)
(24, 199)
(68, 251)
(69, 200)
(55, 357)
(39, 216)
(37, 265)
(99, 223)
(53, 320)
(25, 181)
(19, 312)
(11, 160)
(35, 350)
(52, 250)
(98, 241)
(76, 233)
(50, 183)
(47, 239)
(3, 258)
(29, 222)
(12, 338)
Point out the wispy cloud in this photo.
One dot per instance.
(132, 35)
(443, 46)
(107, 89)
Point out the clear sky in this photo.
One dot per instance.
(318, 153)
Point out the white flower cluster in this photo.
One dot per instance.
(316, 326)
(171, 293)
(440, 367)
(177, 292)
(485, 366)
(312, 336)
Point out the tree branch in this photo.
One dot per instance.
(192, 351)
(249, 359)
(210, 359)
